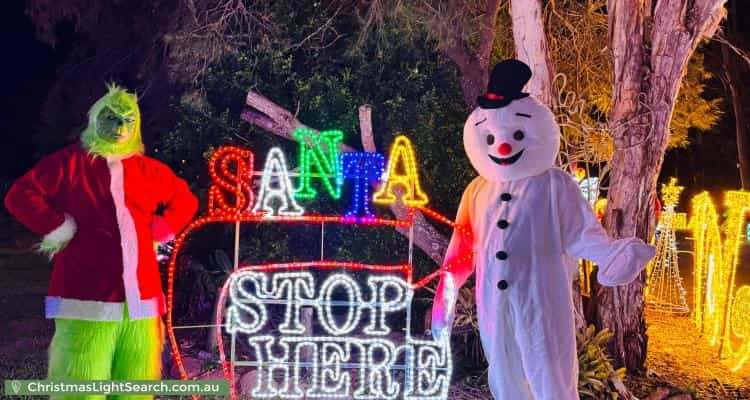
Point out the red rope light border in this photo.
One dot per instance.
(233, 217)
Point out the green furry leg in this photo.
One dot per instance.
(104, 350)
(82, 350)
(138, 352)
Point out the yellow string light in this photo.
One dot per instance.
(738, 204)
(741, 312)
(679, 221)
(720, 312)
(741, 326)
(664, 290)
(707, 259)
(407, 177)
(670, 193)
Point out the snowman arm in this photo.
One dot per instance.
(456, 273)
(583, 237)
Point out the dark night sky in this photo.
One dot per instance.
(30, 68)
(28, 71)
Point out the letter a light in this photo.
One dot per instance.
(402, 154)
(283, 190)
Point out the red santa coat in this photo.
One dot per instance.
(113, 201)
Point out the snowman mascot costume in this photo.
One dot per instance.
(529, 224)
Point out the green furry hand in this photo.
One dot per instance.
(56, 240)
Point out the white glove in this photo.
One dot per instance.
(626, 263)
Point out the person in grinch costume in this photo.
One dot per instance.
(100, 205)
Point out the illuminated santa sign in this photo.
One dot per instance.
(345, 326)
(321, 161)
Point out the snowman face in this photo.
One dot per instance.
(512, 142)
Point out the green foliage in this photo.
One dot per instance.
(595, 372)
(692, 110)
(410, 89)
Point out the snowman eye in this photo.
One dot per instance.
(490, 139)
(518, 135)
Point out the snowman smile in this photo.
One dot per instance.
(508, 160)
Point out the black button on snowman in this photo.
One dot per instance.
(513, 153)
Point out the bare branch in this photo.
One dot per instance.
(262, 121)
(324, 27)
(721, 38)
(474, 66)
(487, 32)
(459, 53)
(270, 116)
(365, 128)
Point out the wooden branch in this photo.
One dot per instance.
(724, 40)
(678, 28)
(279, 121)
(365, 128)
(474, 66)
(627, 23)
(473, 79)
(487, 35)
(458, 52)
(261, 121)
(270, 116)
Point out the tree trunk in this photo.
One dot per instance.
(650, 57)
(474, 66)
(629, 213)
(736, 83)
(530, 42)
(531, 48)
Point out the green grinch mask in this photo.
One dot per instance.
(114, 127)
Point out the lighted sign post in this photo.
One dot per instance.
(361, 341)
(402, 153)
(361, 168)
(720, 309)
(312, 156)
(283, 192)
(353, 351)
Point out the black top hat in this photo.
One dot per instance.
(506, 82)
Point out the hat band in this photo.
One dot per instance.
(493, 96)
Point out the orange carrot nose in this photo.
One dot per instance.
(505, 149)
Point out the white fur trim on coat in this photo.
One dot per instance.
(137, 308)
(92, 310)
(63, 233)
